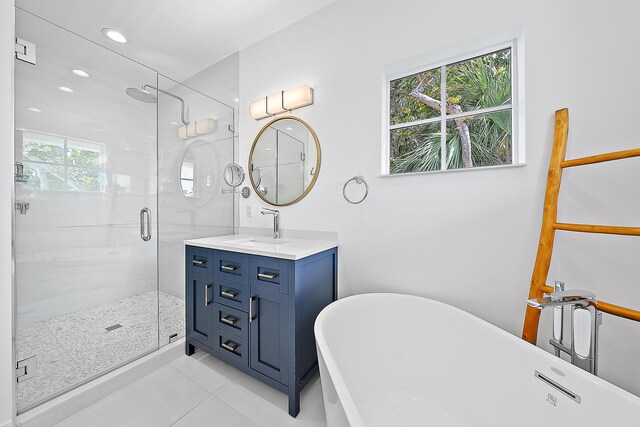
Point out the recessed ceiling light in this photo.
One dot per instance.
(81, 73)
(236, 100)
(66, 89)
(35, 110)
(114, 35)
(288, 128)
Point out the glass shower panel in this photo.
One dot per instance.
(86, 273)
(191, 200)
(291, 174)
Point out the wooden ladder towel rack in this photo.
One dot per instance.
(550, 224)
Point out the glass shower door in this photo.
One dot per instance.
(194, 200)
(86, 212)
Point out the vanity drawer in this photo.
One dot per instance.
(232, 348)
(269, 273)
(232, 266)
(200, 260)
(232, 294)
(230, 320)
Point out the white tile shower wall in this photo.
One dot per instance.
(87, 244)
(466, 238)
(7, 46)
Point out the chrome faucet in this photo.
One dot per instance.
(276, 220)
(585, 319)
(574, 297)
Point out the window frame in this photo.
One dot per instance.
(421, 64)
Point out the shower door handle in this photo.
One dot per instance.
(145, 224)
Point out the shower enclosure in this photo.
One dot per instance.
(100, 210)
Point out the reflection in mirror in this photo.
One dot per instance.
(284, 161)
(199, 172)
(233, 175)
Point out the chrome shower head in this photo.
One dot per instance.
(142, 95)
(151, 98)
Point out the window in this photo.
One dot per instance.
(474, 130)
(62, 164)
(186, 178)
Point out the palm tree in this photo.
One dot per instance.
(471, 140)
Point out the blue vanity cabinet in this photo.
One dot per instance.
(259, 313)
(269, 336)
(199, 295)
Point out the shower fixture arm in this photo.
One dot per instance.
(184, 119)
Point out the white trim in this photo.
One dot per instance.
(443, 57)
(452, 116)
(443, 118)
(450, 59)
(415, 123)
(476, 168)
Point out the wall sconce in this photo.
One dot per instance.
(286, 100)
(197, 128)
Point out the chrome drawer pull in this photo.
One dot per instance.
(228, 268)
(207, 301)
(227, 294)
(228, 320)
(198, 262)
(251, 316)
(231, 347)
(267, 276)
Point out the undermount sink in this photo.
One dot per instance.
(262, 243)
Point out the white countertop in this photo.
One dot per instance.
(285, 248)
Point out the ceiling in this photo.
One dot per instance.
(176, 38)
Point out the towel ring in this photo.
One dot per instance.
(360, 180)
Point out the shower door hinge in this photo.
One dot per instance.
(25, 51)
(25, 369)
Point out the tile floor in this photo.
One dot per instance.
(74, 347)
(200, 391)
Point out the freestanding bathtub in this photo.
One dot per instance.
(399, 360)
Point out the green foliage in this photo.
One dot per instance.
(474, 84)
(404, 108)
(417, 149)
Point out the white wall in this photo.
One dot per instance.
(468, 238)
(6, 208)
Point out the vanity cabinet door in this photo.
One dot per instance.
(199, 295)
(269, 333)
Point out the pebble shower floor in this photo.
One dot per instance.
(74, 347)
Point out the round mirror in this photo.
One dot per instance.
(199, 172)
(284, 161)
(233, 175)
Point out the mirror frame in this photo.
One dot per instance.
(318, 160)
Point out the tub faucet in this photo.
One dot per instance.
(559, 298)
(585, 319)
(276, 220)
